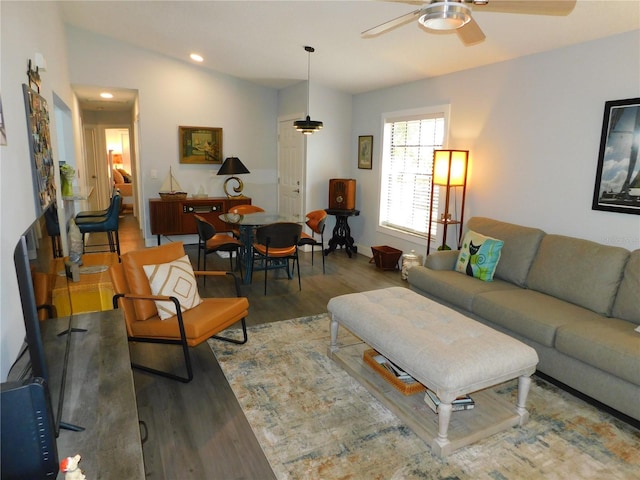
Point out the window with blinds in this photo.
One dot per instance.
(407, 163)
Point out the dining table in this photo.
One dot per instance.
(247, 224)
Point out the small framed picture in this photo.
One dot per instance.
(200, 145)
(365, 151)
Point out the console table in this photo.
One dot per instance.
(175, 217)
(342, 231)
(99, 394)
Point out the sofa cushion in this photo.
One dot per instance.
(451, 286)
(479, 256)
(578, 271)
(531, 314)
(173, 279)
(520, 246)
(609, 344)
(627, 305)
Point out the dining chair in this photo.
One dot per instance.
(53, 230)
(107, 223)
(315, 221)
(241, 210)
(99, 213)
(156, 289)
(275, 245)
(211, 242)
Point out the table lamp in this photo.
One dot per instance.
(233, 166)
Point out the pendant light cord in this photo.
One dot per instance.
(309, 50)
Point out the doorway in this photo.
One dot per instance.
(291, 169)
(64, 137)
(119, 154)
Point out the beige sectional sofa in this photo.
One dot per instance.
(575, 301)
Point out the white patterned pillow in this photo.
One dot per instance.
(173, 279)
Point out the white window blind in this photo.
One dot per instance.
(406, 172)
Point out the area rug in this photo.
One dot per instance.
(314, 421)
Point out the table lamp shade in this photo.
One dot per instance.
(450, 167)
(232, 166)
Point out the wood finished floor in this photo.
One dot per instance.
(197, 430)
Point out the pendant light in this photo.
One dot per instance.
(308, 126)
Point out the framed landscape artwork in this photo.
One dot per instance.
(617, 187)
(365, 151)
(200, 145)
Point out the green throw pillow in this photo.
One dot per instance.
(479, 256)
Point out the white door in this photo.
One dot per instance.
(91, 154)
(291, 163)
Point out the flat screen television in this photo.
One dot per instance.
(31, 417)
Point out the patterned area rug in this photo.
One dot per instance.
(314, 421)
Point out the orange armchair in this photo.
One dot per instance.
(187, 328)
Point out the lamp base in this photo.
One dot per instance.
(237, 189)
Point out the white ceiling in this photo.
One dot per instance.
(262, 41)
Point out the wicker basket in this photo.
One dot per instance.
(404, 388)
(173, 195)
(386, 257)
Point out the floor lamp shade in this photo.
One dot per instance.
(450, 167)
(233, 166)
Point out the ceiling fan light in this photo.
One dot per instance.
(445, 16)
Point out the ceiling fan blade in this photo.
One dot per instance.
(529, 7)
(471, 33)
(396, 22)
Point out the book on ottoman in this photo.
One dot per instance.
(464, 402)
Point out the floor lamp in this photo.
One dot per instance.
(449, 171)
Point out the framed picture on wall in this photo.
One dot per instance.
(365, 151)
(200, 145)
(40, 149)
(617, 187)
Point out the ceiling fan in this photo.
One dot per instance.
(443, 15)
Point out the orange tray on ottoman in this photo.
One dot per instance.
(404, 388)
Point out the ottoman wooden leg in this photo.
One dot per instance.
(444, 415)
(524, 383)
(333, 346)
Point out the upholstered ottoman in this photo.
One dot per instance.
(444, 350)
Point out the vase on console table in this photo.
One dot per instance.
(67, 174)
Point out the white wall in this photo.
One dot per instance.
(329, 150)
(27, 28)
(173, 93)
(532, 126)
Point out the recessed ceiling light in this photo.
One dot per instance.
(196, 57)
(106, 95)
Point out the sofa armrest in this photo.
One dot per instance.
(442, 260)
